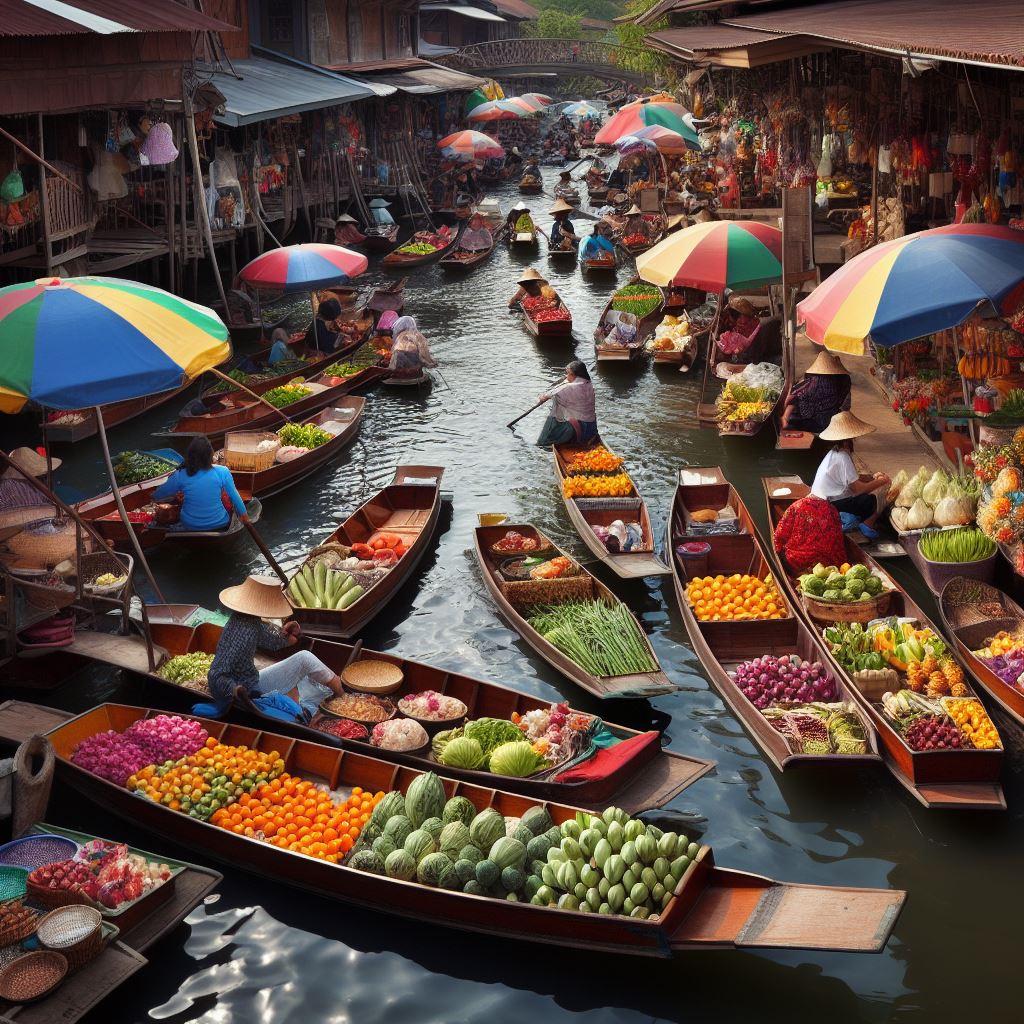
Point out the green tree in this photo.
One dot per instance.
(634, 53)
(554, 25)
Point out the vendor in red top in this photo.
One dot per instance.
(737, 331)
(346, 232)
(810, 532)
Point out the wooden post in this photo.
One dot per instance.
(169, 186)
(302, 193)
(44, 206)
(874, 200)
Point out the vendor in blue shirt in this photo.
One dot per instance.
(202, 486)
(598, 245)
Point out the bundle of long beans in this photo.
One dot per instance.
(602, 639)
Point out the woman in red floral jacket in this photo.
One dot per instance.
(810, 532)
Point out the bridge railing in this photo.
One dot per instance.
(531, 53)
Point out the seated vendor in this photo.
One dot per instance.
(530, 284)
(563, 233)
(837, 479)
(738, 326)
(279, 349)
(346, 232)
(206, 491)
(824, 391)
(477, 237)
(623, 331)
(326, 337)
(598, 244)
(410, 353)
(290, 689)
(520, 220)
(532, 169)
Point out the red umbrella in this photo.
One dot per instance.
(470, 145)
(303, 267)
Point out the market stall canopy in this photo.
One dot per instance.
(87, 341)
(470, 145)
(411, 75)
(527, 106)
(580, 110)
(629, 121)
(475, 99)
(715, 256)
(303, 267)
(495, 110)
(654, 136)
(729, 46)
(914, 286)
(542, 97)
(474, 13)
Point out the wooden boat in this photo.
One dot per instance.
(569, 194)
(381, 238)
(423, 380)
(523, 240)
(650, 779)
(598, 196)
(638, 248)
(388, 297)
(722, 646)
(549, 328)
(609, 353)
(532, 187)
(971, 613)
(410, 506)
(677, 303)
(467, 260)
(247, 413)
(586, 513)
(954, 779)
(281, 475)
(606, 265)
(562, 255)
(102, 513)
(114, 415)
(396, 260)
(713, 907)
(512, 598)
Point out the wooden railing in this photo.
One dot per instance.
(532, 53)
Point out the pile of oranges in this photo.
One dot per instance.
(296, 815)
(972, 718)
(612, 486)
(736, 598)
(597, 459)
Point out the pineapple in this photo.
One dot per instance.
(937, 685)
(959, 690)
(929, 665)
(953, 672)
(916, 676)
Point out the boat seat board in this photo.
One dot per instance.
(637, 565)
(21, 719)
(660, 780)
(707, 412)
(407, 519)
(191, 887)
(962, 796)
(128, 652)
(795, 440)
(81, 990)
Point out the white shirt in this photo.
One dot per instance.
(834, 476)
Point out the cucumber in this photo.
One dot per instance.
(350, 596)
(320, 578)
(295, 594)
(308, 597)
(307, 578)
(346, 584)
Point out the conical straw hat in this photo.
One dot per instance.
(561, 206)
(344, 218)
(826, 364)
(531, 275)
(29, 460)
(844, 426)
(633, 210)
(258, 595)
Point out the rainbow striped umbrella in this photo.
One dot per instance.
(525, 104)
(469, 145)
(715, 256)
(541, 97)
(663, 139)
(630, 120)
(303, 267)
(496, 110)
(916, 285)
(84, 341)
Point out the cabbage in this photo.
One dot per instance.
(435, 826)
(537, 820)
(471, 853)
(462, 752)
(912, 489)
(459, 808)
(919, 516)
(434, 869)
(486, 829)
(487, 873)
(898, 518)
(391, 804)
(384, 845)
(513, 879)
(400, 864)
(425, 798)
(935, 490)
(465, 870)
(954, 512)
(508, 853)
(367, 860)
(897, 485)
(492, 732)
(398, 829)
(454, 837)
(515, 759)
(419, 844)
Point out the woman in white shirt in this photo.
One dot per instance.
(837, 479)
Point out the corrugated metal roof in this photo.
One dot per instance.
(463, 11)
(268, 89)
(705, 38)
(517, 9)
(425, 81)
(991, 31)
(71, 17)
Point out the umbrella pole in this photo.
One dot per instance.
(132, 536)
(259, 398)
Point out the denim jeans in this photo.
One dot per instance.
(302, 670)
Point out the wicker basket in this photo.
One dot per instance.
(368, 724)
(240, 450)
(968, 602)
(526, 593)
(53, 898)
(32, 976)
(372, 676)
(828, 612)
(75, 932)
(98, 563)
(12, 883)
(608, 504)
(36, 851)
(22, 930)
(45, 549)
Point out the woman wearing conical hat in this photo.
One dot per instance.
(838, 480)
(529, 284)
(824, 391)
(563, 234)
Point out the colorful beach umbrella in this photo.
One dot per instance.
(630, 120)
(525, 104)
(303, 267)
(916, 285)
(715, 256)
(85, 341)
(654, 136)
(541, 97)
(474, 99)
(580, 110)
(495, 110)
(469, 145)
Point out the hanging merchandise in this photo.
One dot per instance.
(105, 179)
(123, 130)
(224, 195)
(884, 160)
(158, 146)
(12, 187)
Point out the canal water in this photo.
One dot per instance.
(270, 953)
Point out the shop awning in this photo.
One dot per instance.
(265, 89)
(730, 46)
(517, 9)
(435, 49)
(103, 17)
(414, 76)
(466, 12)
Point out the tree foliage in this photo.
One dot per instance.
(605, 10)
(554, 24)
(634, 53)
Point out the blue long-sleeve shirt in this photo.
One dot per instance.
(595, 246)
(202, 508)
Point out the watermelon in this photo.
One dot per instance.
(513, 879)
(424, 799)
(471, 853)
(466, 870)
(487, 873)
(367, 860)
(454, 836)
(384, 845)
(434, 826)
(400, 864)
(392, 803)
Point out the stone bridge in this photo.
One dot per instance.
(581, 57)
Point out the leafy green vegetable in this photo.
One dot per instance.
(134, 467)
(492, 732)
(515, 759)
(306, 435)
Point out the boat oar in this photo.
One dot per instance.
(553, 391)
(271, 561)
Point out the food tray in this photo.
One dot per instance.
(22, 930)
(240, 450)
(437, 724)
(32, 976)
(369, 675)
(388, 706)
(34, 851)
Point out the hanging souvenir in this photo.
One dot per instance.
(159, 146)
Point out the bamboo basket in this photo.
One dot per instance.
(240, 450)
(21, 931)
(75, 932)
(827, 612)
(31, 977)
(45, 549)
(969, 602)
(608, 504)
(96, 564)
(369, 675)
(526, 593)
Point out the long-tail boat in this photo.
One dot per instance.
(722, 646)
(409, 507)
(949, 778)
(650, 777)
(711, 908)
(397, 260)
(586, 513)
(514, 598)
(68, 427)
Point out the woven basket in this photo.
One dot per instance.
(372, 676)
(53, 898)
(12, 883)
(75, 932)
(45, 549)
(968, 602)
(98, 563)
(526, 593)
(828, 612)
(608, 504)
(35, 851)
(240, 450)
(21, 931)
(32, 976)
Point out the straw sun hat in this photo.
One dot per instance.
(258, 595)
(634, 210)
(29, 460)
(531, 275)
(844, 426)
(344, 218)
(742, 305)
(826, 364)
(561, 206)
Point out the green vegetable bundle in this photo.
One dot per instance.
(134, 467)
(418, 249)
(286, 395)
(962, 544)
(320, 587)
(639, 299)
(306, 435)
(185, 668)
(854, 647)
(342, 370)
(827, 583)
(602, 639)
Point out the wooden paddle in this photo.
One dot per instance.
(259, 398)
(271, 561)
(553, 391)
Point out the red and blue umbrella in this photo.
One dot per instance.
(497, 110)
(304, 267)
(469, 145)
(916, 285)
(78, 342)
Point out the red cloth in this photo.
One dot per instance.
(809, 532)
(609, 760)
